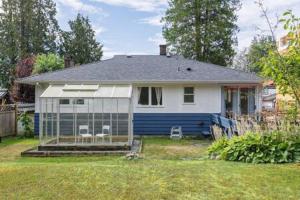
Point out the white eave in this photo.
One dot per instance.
(87, 91)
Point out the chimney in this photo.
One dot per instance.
(163, 50)
(69, 61)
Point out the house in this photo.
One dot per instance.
(138, 95)
(283, 102)
(3, 96)
(269, 96)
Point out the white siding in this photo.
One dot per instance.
(207, 100)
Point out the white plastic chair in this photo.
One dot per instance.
(105, 132)
(85, 134)
(176, 132)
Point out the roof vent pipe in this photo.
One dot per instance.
(163, 49)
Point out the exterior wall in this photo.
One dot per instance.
(194, 118)
(161, 123)
(207, 100)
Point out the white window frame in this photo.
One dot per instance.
(184, 94)
(150, 98)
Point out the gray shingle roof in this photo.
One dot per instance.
(146, 68)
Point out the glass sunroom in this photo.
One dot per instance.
(86, 115)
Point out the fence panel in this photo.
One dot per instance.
(8, 120)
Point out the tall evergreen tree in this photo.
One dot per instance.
(259, 48)
(204, 30)
(80, 43)
(28, 27)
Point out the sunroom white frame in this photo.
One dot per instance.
(98, 97)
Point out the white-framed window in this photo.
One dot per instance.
(150, 96)
(188, 95)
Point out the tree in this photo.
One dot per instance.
(284, 68)
(47, 63)
(5, 72)
(204, 30)
(259, 48)
(249, 58)
(80, 43)
(28, 27)
(21, 92)
(240, 61)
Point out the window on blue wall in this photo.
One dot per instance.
(188, 96)
(150, 96)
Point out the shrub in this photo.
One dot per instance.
(217, 147)
(27, 123)
(47, 63)
(275, 147)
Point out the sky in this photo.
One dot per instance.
(132, 27)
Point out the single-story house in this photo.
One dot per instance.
(138, 95)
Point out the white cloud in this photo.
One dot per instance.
(140, 5)
(154, 20)
(249, 18)
(98, 29)
(157, 39)
(1, 9)
(78, 5)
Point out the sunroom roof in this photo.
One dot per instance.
(88, 91)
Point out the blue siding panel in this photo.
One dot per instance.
(36, 123)
(161, 123)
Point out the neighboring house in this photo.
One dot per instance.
(269, 96)
(284, 101)
(3, 96)
(140, 95)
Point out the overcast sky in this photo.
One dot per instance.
(133, 26)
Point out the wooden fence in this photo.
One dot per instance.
(8, 120)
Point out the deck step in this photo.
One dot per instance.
(83, 148)
(37, 153)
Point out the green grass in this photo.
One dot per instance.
(168, 170)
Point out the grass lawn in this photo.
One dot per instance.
(169, 170)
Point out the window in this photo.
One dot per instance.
(188, 96)
(64, 101)
(78, 101)
(143, 96)
(150, 96)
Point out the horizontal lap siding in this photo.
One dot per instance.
(161, 123)
(36, 124)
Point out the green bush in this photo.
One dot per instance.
(27, 123)
(275, 147)
(217, 147)
(47, 63)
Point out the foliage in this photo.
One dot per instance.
(275, 147)
(21, 92)
(80, 43)
(202, 30)
(5, 73)
(27, 123)
(47, 63)
(259, 48)
(284, 68)
(216, 148)
(28, 27)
